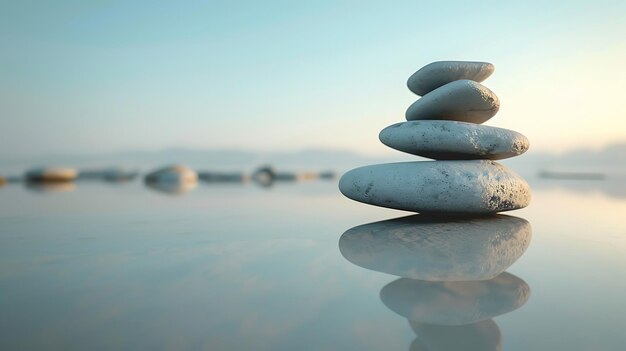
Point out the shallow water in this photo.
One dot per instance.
(105, 266)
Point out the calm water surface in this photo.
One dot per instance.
(241, 267)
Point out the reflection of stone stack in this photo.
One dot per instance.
(453, 274)
(445, 125)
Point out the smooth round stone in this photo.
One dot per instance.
(455, 303)
(453, 187)
(453, 140)
(51, 175)
(480, 336)
(461, 100)
(436, 74)
(438, 249)
(176, 174)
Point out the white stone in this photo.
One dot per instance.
(453, 140)
(438, 249)
(479, 336)
(436, 74)
(463, 187)
(51, 175)
(461, 100)
(176, 174)
(455, 303)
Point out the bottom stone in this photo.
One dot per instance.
(455, 187)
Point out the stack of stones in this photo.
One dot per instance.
(445, 125)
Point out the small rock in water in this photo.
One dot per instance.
(2, 181)
(455, 303)
(436, 74)
(176, 174)
(461, 100)
(51, 175)
(436, 248)
(453, 140)
(454, 187)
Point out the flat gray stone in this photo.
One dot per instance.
(438, 249)
(436, 74)
(461, 100)
(453, 140)
(463, 187)
(455, 303)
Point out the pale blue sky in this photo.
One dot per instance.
(99, 76)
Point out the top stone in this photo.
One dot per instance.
(436, 74)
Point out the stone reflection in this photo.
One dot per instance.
(50, 187)
(453, 281)
(455, 303)
(171, 188)
(480, 336)
(432, 248)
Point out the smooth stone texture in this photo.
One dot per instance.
(436, 74)
(455, 303)
(176, 174)
(453, 140)
(461, 187)
(51, 175)
(461, 100)
(438, 249)
(480, 336)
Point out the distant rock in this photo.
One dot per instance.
(176, 174)
(51, 175)
(455, 303)
(108, 174)
(453, 140)
(461, 100)
(452, 187)
(221, 177)
(436, 74)
(437, 248)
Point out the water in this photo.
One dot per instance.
(240, 267)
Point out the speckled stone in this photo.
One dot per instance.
(479, 336)
(438, 249)
(453, 140)
(455, 303)
(176, 174)
(436, 74)
(51, 175)
(461, 100)
(462, 187)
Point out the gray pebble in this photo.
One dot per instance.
(453, 140)
(463, 187)
(461, 100)
(436, 74)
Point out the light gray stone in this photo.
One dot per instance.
(438, 249)
(455, 303)
(463, 187)
(461, 100)
(436, 74)
(453, 140)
